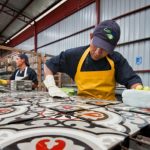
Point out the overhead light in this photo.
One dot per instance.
(53, 8)
(7, 41)
(32, 23)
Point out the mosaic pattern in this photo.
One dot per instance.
(102, 102)
(122, 107)
(65, 133)
(91, 115)
(123, 121)
(33, 120)
(66, 108)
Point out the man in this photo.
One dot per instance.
(24, 72)
(95, 68)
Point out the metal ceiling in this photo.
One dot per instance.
(17, 14)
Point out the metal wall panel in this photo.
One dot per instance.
(133, 27)
(133, 51)
(74, 41)
(26, 45)
(80, 20)
(145, 78)
(113, 8)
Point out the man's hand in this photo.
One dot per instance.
(53, 90)
(140, 87)
(137, 86)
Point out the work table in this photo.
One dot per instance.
(33, 120)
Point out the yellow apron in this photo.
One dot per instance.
(96, 84)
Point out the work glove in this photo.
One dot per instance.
(53, 90)
(140, 87)
(3, 82)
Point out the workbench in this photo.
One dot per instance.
(36, 121)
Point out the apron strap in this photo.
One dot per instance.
(82, 59)
(25, 72)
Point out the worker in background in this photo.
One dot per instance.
(23, 71)
(95, 68)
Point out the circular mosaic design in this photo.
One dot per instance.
(91, 115)
(6, 110)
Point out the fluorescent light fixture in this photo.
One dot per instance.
(19, 32)
(39, 18)
(7, 41)
(53, 8)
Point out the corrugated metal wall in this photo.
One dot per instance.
(79, 21)
(71, 42)
(113, 8)
(26, 45)
(134, 27)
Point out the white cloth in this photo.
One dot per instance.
(136, 98)
(20, 78)
(53, 90)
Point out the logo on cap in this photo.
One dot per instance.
(109, 34)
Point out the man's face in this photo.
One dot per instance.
(19, 62)
(97, 53)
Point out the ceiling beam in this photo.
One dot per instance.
(16, 16)
(56, 2)
(2, 38)
(3, 5)
(12, 12)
